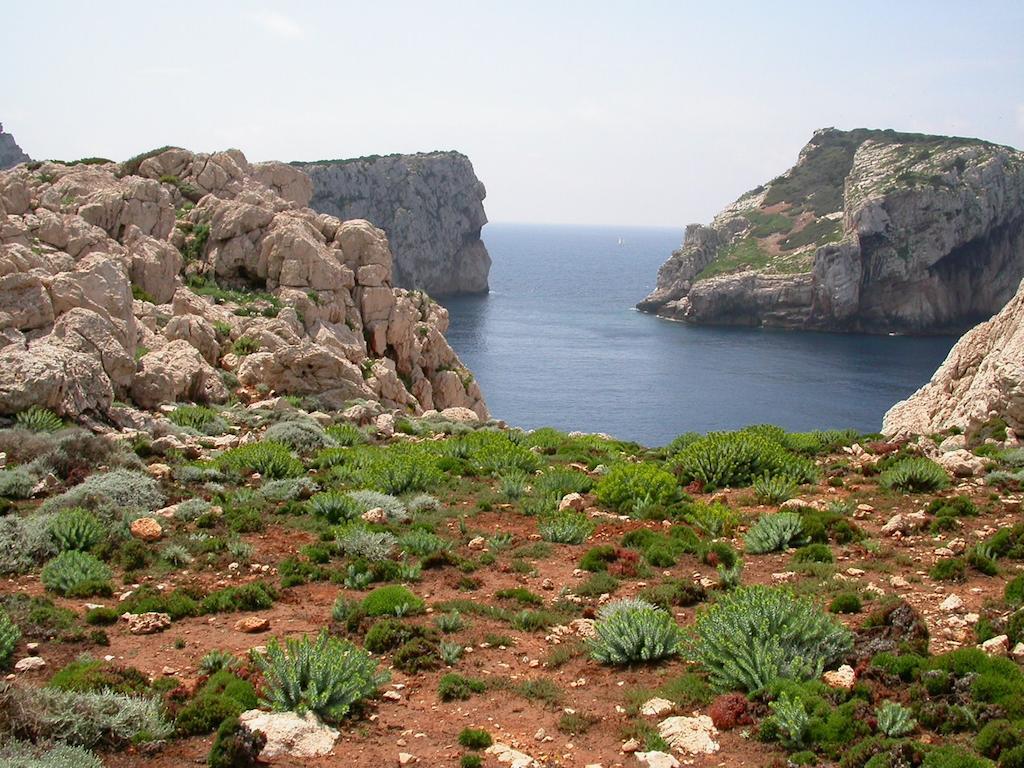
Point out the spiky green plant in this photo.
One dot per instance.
(75, 528)
(76, 574)
(200, 418)
(774, 489)
(326, 676)
(346, 435)
(9, 636)
(450, 652)
(894, 720)
(736, 459)
(633, 630)
(269, 459)
(627, 484)
(915, 475)
(512, 485)
(565, 527)
(216, 660)
(334, 507)
(176, 555)
(36, 419)
(755, 634)
(792, 720)
(772, 533)
(450, 622)
(422, 543)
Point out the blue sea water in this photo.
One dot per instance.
(558, 343)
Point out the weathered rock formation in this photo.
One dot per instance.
(871, 231)
(430, 205)
(179, 276)
(10, 152)
(981, 381)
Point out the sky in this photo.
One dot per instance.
(645, 113)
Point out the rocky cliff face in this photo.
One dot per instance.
(980, 383)
(181, 277)
(10, 152)
(429, 204)
(871, 231)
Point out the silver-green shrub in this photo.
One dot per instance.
(302, 435)
(633, 630)
(565, 527)
(367, 500)
(16, 483)
(114, 491)
(774, 532)
(358, 540)
(325, 675)
(24, 542)
(25, 754)
(757, 634)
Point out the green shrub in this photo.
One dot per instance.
(894, 720)
(914, 475)
(773, 532)
(16, 484)
(736, 459)
(1014, 591)
(200, 418)
(475, 738)
(814, 553)
(949, 569)
(774, 489)
(326, 676)
(334, 507)
(791, 719)
(235, 746)
(391, 600)
(597, 558)
(471, 761)
(85, 675)
(76, 574)
(753, 635)
(270, 460)
(75, 528)
(388, 634)
(300, 435)
(845, 602)
(222, 697)
(417, 655)
(36, 419)
(9, 636)
(627, 485)
(559, 481)
(565, 527)
(455, 687)
(632, 630)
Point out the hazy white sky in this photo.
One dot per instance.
(575, 112)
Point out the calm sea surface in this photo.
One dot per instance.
(558, 343)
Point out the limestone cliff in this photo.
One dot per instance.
(872, 231)
(10, 152)
(981, 381)
(429, 204)
(182, 277)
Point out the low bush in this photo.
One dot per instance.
(75, 528)
(24, 754)
(736, 459)
(774, 532)
(222, 697)
(76, 574)
(565, 527)
(845, 602)
(455, 687)
(9, 636)
(87, 675)
(199, 418)
(475, 738)
(391, 600)
(302, 435)
(326, 676)
(754, 635)
(914, 475)
(117, 491)
(632, 630)
(235, 746)
(627, 485)
(16, 483)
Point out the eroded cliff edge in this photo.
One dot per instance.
(430, 205)
(178, 276)
(10, 153)
(873, 231)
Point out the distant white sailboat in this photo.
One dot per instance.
(621, 241)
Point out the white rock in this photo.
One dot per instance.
(29, 664)
(997, 646)
(289, 734)
(693, 735)
(951, 604)
(843, 677)
(513, 757)
(657, 759)
(656, 706)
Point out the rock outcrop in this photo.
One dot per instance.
(181, 277)
(10, 153)
(429, 204)
(980, 383)
(872, 231)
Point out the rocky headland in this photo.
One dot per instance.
(178, 276)
(10, 153)
(431, 206)
(873, 231)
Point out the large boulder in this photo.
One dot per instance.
(52, 376)
(176, 372)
